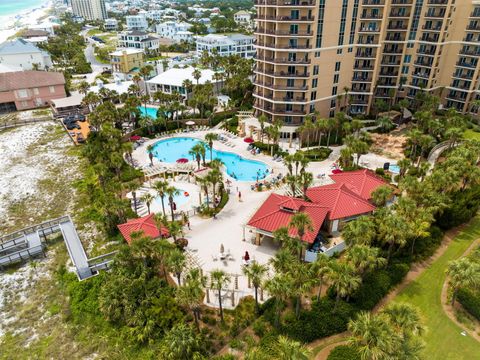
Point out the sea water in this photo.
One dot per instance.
(9, 7)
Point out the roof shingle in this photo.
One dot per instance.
(29, 79)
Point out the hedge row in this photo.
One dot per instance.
(470, 300)
(344, 352)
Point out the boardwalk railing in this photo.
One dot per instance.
(12, 124)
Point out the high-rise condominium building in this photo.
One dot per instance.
(328, 55)
(90, 9)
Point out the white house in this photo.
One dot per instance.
(235, 44)
(137, 22)
(111, 24)
(242, 17)
(173, 79)
(47, 26)
(171, 29)
(21, 53)
(137, 40)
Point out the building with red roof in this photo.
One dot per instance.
(330, 206)
(277, 211)
(362, 182)
(343, 203)
(146, 225)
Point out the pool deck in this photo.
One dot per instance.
(207, 235)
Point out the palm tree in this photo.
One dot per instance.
(176, 262)
(393, 230)
(385, 123)
(344, 280)
(330, 126)
(144, 73)
(405, 318)
(171, 191)
(195, 152)
(255, 273)
(381, 195)
(181, 342)
(362, 230)
(280, 287)
(220, 279)
(373, 336)
(306, 179)
(292, 181)
(191, 293)
(320, 270)
(462, 273)
(174, 229)
(83, 87)
(148, 198)
(210, 137)
(364, 258)
(321, 126)
(134, 186)
(302, 223)
(262, 119)
(197, 74)
(214, 177)
(286, 349)
(160, 187)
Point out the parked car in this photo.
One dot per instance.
(72, 125)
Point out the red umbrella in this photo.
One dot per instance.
(182, 160)
(336, 171)
(248, 140)
(135, 138)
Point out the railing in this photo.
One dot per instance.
(34, 228)
(8, 125)
(311, 256)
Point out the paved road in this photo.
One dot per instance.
(97, 67)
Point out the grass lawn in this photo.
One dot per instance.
(469, 134)
(443, 338)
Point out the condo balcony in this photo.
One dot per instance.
(388, 73)
(281, 87)
(435, 28)
(284, 18)
(392, 50)
(437, 2)
(424, 62)
(475, 51)
(462, 75)
(263, 31)
(283, 60)
(399, 14)
(428, 51)
(286, 3)
(362, 66)
(286, 45)
(371, 16)
(363, 79)
(285, 74)
(397, 26)
(365, 54)
(420, 74)
(467, 64)
(439, 13)
(430, 38)
(395, 36)
(473, 26)
(373, 2)
(402, 2)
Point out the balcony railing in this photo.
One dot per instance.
(278, 60)
(397, 27)
(283, 73)
(281, 87)
(467, 64)
(283, 32)
(285, 2)
(285, 18)
(283, 46)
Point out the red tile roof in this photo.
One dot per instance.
(29, 79)
(362, 182)
(277, 211)
(340, 200)
(144, 224)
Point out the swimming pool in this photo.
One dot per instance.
(151, 111)
(394, 168)
(170, 150)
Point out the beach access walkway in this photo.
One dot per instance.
(27, 243)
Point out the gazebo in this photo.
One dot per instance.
(144, 224)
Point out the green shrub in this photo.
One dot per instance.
(344, 352)
(260, 327)
(470, 300)
(236, 344)
(317, 154)
(266, 148)
(374, 287)
(464, 205)
(209, 320)
(380, 171)
(318, 322)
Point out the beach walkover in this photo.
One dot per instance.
(30, 242)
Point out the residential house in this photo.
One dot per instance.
(126, 61)
(177, 31)
(20, 52)
(35, 36)
(23, 90)
(137, 40)
(242, 17)
(137, 22)
(173, 79)
(111, 24)
(226, 45)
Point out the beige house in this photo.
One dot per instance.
(125, 61)
(336, 55)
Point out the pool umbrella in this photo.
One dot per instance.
(248, 140)
(182, 160)
(135, 138)
(190, 123)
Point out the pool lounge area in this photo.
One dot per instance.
(237, 167)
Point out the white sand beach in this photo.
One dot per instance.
(11, 24)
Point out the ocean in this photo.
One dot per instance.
(9, 7)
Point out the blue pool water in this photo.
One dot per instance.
(152, 112)
(170, 150)
(394, 169)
